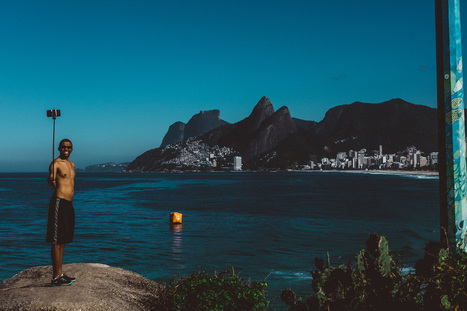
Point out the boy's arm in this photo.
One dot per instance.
(52, 174)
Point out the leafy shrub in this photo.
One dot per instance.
(207, 291)
(442, 276)
(376, 282)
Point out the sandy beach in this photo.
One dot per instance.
(430, 173)
(389, 172)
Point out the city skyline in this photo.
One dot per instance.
(194, 154)
(357, 160)
(122, 73)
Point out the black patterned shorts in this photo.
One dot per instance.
(61, 221)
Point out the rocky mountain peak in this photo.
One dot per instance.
(199, 124)
(271, 132)
(203, 122)
(261, 111)
(174, 134)
(282, 116)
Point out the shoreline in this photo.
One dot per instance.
(389, 172)
(395, 172)
(427, 173)
(372, 172)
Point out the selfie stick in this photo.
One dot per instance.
(54, 113)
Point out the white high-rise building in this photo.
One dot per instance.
(355, 163)
(361, 159)
(237, 165)
(434, 158)
(416, 159)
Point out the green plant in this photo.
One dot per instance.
(370, 286)
(376, 283)
(212, 291)
(443, 279)
(289, 298)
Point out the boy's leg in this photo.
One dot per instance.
(57, 259)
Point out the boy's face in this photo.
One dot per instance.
(65, 149)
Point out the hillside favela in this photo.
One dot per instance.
(393, 135)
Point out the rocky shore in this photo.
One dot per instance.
(97, 287)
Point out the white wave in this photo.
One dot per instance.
(292, 275)
(407, 270)
(405, 174)
(427, 177)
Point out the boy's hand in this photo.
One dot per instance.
(52, 184)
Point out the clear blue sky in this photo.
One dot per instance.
(122, 72)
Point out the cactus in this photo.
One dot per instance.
(288, 297)
(368, 286)
(376, 261)
(362, 263)
(376, 283)
(299, 306)
(435, 254)
(312, 303)
(331, 285)
(319, 263)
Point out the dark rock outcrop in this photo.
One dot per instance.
(260, 132)
(199, 124)
(203, 122)
(175, 134)
(271, 132)
(242, 131)
(97, 287)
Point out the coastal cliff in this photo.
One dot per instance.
(97, 287)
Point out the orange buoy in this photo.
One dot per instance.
(175, 218)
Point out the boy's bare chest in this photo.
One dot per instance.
(66, 170)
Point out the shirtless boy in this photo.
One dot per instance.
(61, 220)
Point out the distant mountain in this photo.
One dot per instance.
(395, 124)
(273, 139)
(307, 125)
(199, 124)
(105, 167)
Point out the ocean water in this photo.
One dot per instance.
(266, 225)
